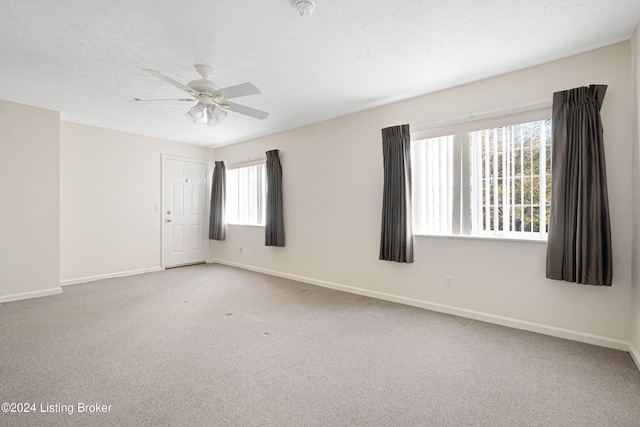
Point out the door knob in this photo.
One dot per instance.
(168, 219)
(168, 212)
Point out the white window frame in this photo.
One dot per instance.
(246, 199)
(461, 186)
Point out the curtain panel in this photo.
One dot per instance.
(579, 241)
(216, 213)
(274, 224)
(396, 237)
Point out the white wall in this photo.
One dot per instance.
(635, 300)
(332, 175)
(110, 187)
(29, 213)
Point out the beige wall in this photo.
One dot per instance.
(29, 209)
(110, 200)
(333, 197)
(635, 304)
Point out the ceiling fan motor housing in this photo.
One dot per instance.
(203, 86)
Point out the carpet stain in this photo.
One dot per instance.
(228, 315)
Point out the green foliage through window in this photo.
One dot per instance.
(515, 184)
(494, 182)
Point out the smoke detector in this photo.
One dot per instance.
(304, 7)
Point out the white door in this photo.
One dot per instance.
(185, 212)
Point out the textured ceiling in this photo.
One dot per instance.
(84, 58)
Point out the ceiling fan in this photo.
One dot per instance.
(213, 103)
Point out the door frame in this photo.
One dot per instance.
(164, 158)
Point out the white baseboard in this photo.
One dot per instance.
(108, 276)
(442, 308)
(635, 355)
(34, 294)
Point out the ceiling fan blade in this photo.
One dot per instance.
(169, 80)
(247, 111)
(237, 91)
(164, 99)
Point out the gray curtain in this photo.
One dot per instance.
(216, 214)
(579, 242)
(274, 227)
(396, 238)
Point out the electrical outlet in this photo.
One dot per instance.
(448, 281)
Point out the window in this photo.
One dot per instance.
(246, 193)
(489, 178)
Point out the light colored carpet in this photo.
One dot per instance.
(214, 345)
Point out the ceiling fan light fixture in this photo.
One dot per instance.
(220, 114)
(304, 7)
(215, 115)
(196, 113)
(212, 120)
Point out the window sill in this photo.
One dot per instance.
(245, 225)
(466, 237)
